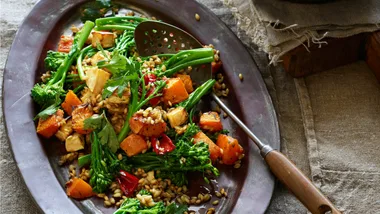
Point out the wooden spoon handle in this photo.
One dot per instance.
(299, 184)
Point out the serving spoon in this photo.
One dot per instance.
(153, 37)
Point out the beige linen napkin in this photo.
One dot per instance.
(277, 26)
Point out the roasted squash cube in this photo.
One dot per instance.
(231, 149)
(80, 114)
(134, 144)
(71, 101)
(78, 189)
(210, 121)
(215, 151)
(50, 126)
(175, 91)
(186, 79)
(142, 126)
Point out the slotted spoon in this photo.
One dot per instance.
(153, 37)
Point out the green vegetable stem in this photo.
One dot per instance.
(196, 95)
(118, 23)
(80, 69)
(186, 58)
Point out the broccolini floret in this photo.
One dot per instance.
(101, 177)
(187, 157)
(54, 59)
(133, 206)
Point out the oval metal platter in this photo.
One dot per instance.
(249, 188)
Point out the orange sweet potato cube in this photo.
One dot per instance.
(70, 102)
(186, 79)
(175, 91)
(231, 149)
(210, 121)
(134, 144)
(50, 126)
(215, 151)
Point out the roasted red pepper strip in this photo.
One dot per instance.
(162, 145)
(149, 78)
(128, 183)
(65, 44)
(215, 66)
(153, 101)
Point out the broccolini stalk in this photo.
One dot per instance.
(118, 23)
(196, 95)
(80, 69)
(186, 58)
(131, 108)
(104, 163)
(84, 160)
(45, 94)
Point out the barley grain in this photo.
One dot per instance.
(107, 203)
(112, 200)
(216, 202)
(218, 194)
(197, 17)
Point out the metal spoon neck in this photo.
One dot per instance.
(264, 148)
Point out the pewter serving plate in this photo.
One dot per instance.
(249, 188)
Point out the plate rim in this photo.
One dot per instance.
(8, 113)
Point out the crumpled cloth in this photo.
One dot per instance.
(278, 26)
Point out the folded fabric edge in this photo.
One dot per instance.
(341, 13)
(278, 41)
(253, 28)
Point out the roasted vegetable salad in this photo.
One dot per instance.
(130, 124)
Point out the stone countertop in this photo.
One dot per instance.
(329, 125)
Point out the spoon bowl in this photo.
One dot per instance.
(155, 38)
